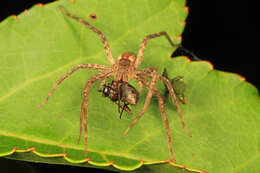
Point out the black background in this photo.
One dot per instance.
(222, 32)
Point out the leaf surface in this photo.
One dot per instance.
(41, 45)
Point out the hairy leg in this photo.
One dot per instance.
(102, 83)
(84, 107)
(140, 84)
(123, 108)
(90, 66)
(147, 72)
(101, 35)
(175, 102)
(144, 43)
(163, 113)
(147, 100)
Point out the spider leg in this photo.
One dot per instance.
(147, 100)
(101, 35)
(147, 72)
(144, 43)
(175, 102)
(90, 66)
(140, 84)
(123, 108)
(102, 83)
(84, 107)
(119, 97)
(163, 113)
(166, 93)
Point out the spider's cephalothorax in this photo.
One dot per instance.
(124, 69)
(121, 91)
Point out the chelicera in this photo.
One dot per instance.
(124, 69)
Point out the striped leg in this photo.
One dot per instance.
(90, 66)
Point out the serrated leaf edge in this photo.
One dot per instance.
(88, 160)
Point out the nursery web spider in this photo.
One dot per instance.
(124, 69)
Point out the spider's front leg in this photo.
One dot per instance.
(144, 43)
(84, 107)
(103, 82)
(100, 34)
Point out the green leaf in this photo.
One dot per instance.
(42, 44)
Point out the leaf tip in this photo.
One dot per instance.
(210, 64)
(188, 60)
(39, 4)
(179, 38)
(87, 159)
(15, 16)
(29, 149)
(240, 76)
(186, 8)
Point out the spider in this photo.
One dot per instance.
(124, 69)
(126, 93)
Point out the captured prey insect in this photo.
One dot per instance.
(123, 69)
(121, 91)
